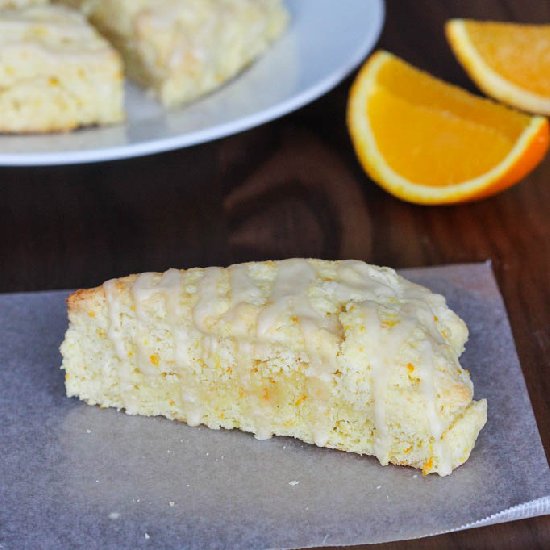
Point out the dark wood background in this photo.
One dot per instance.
(294, 188)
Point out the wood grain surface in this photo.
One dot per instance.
(293, 188)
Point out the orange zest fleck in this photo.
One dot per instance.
(428, 465)
(300, 400)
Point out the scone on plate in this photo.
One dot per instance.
(56, 72)
(182, 49)
(8, 4)
(341, 354)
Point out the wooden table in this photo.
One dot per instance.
(293, 188)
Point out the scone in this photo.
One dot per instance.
(182, 49)
(56, 72)
(341, 354)
(8, 4)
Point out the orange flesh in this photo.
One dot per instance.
(519, 53)
(415, 117)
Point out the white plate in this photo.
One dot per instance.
(325, 41)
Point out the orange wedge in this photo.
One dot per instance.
(508, 61)
(428, 142)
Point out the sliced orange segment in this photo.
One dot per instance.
(508, 61)
(429, 142)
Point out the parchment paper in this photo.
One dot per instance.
(74, 475)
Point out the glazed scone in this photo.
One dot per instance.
(9, 4)
(182, 49)
(56, 72)
(341, 354)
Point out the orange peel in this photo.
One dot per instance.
(429, 142)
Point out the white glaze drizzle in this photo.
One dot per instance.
(380, 372)
(141, 291)
(205, 308)
(114, 332)
(418, 306)
(53, 32)
(426, 366)
(356, 281)
(170, 286)
(243, 288)
(207, 297)
(244, 293)
(289, 296)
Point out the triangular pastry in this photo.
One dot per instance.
(338, 353)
